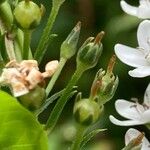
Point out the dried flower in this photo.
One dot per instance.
(25, 76)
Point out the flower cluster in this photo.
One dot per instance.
(24, 76)
(142, 11)
(139, 58)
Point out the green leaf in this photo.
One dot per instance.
(19, 129)
(90, 135)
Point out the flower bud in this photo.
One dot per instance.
(86, 112)
(27, 14)
(105, 84)
(69, 46)
(90, 52)
(51, 67)
(34, 99)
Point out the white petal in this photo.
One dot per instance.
(124, 123)
(147, 96)
(127, 109)
(130, 56)
(143, 11)
(146, 116)
(145, 144)
(130, 135)
(131, 10)
(143, 35)
(133, 133)
(140, 72)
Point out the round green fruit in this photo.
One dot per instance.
(27, 14)
(86, 112)
(34, 99)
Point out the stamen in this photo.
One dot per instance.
(111, 64)
(99, 37)
(138, 140)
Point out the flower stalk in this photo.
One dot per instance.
(54, 116)
(43, 43)
(87, 58)
(79, 137)
(55, 76)
(26, 44)
(67, 50)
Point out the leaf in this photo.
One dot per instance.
(90, 135)
(51, 100)
(19, 129)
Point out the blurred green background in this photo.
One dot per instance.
(95, 15)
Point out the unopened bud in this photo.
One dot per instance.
(34, 99)
(90, 52)
(27, 14)
(86, 112)
(51, 66)
(105, 84)
(69, 46)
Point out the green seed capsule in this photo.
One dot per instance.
(27, 14)
(34, 99)
(86, 112)
(89, 53)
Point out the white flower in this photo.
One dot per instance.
(25, 76)
(137, 114)
(137, 57)
(133, 134)
(143, 11)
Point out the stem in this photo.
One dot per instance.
(55, 76)
(148, 126)
(54, 116)
(79, 136)
(6, 14)
(9, 47)
(43, 44)
(17, 51)
(26, 44)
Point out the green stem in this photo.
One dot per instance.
(55, 76)
(43, 44)
(26, 44)
(6, 14)
(54, 116)
(148, 126)
(9, 45)
(79, 136)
